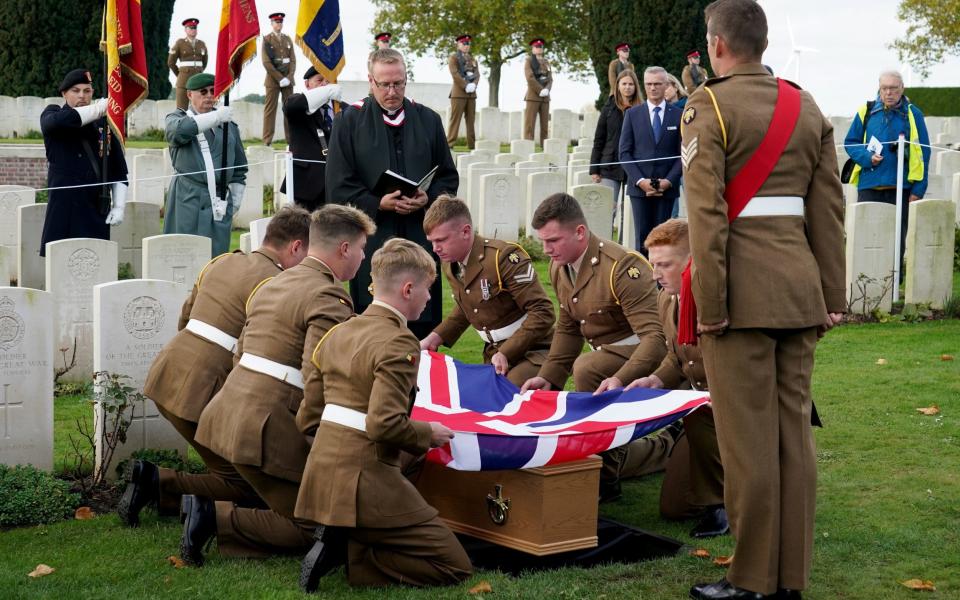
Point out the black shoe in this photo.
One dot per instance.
(610, 491)
(724, 590)
(329, 551)
(712, 523)
(143, 487)
(199, 517)
(785, 594)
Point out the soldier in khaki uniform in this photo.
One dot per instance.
(693, 74)
(281, 64)
(188, 56)
(495, 289)
(366, 373)
(536, 70)
(618, 65)
(766, 283)
(463, 96)
(250, 422)
(693, 483)
(608, 298)
(192, 366)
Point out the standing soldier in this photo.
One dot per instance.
(539, 81)
(187, 57)
(693, 74)
(618, 65)
(463, 96)
(382, 39)
(508, 307)
(281, 64)
(762, 192)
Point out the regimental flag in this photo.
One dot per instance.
(237, 42)
(320, 36)
(122, 41)
(498, 428)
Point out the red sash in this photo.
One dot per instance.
(743, 187)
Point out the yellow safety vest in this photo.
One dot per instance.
(915, 170)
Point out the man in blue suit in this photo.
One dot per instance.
(651, 131)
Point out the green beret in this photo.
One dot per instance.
(200, 81)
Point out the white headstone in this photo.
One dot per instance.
(11, 198)
(507, 159)
(588, 127)
(561, 124)
(8, 266)
(251, 208)
(147, 178)
(870, 254)
(279, 172)
(140, 220)
(30, 265)
(943, 139)
(523, 169)
(258, 231)
(177, 257)
(628, 237)
(164, 108)
(28, 114)
(596, 200)
(575, 166)
(260, 157)
(463, 163)
(500, 206)
(474, 172)
(955, 194)
(73, 267)
(948, 163)
(515, 119)
(246, 246)
(143, 118)
(8, 116)
(522, 147)
(541, 185)
(488, 146)
(26, 377)
(133, 320)
(935, 126)
(929, 254)
(557, 147)
(488, 124)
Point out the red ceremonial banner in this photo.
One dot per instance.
(237, 42)
(122, 41)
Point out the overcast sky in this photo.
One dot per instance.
(852, 39)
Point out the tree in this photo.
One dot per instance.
(933, 32)
(677, 28)
(46, 38)
(501, 30)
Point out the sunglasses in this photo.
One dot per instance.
(207, 91)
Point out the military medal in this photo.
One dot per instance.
(485, 289)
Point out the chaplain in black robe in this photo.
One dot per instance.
(368, 139)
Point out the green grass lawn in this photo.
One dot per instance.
(887, 502)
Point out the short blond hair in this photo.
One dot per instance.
(399, 257)
(669, 233)
(335, 223)
(386, 56)
(444, 209)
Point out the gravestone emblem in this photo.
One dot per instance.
(11, 325)
(83, 264)
(143, 317)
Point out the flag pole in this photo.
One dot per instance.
(105, 202)
(222, 188)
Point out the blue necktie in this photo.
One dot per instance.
(657, 124)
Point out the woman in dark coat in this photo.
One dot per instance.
(606, 140)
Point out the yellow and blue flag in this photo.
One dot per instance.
(320, 36)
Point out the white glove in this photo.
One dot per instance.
(236, 195)
(284, 82)
(224, 114)
(544, 92)
(219, 208)
(207, 120)
(119, 202)
(319, 96)
(92, 112)
(470, 88)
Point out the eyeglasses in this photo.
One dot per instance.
(208, 91)
(396, 86)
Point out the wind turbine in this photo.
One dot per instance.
(795, 52)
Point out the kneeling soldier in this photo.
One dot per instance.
(495, 288)
(359, 412)
(190, 369)
(250, 422)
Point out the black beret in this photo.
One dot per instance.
(74, 77)
(310, 72)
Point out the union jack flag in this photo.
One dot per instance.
(498, 428)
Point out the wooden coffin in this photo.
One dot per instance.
(540, 511)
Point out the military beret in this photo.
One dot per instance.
(464, 39)
(200, 81)
(693, 54)
(621, 46)
(383, 36)
(74, 77)
(277, 16)
(538, 42)
(310, 72)
(191, 22)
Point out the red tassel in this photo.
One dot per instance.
(687, 321)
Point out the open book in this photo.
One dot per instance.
(390, 182)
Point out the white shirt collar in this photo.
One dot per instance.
(662, 105)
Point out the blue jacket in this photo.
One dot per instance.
(636, 143)
(886, 126)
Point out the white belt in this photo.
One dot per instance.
(773, 206)
(627, 341)
(495, 336)
(191, 63)
(273, 369)
(347, 417)
(212, 334)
